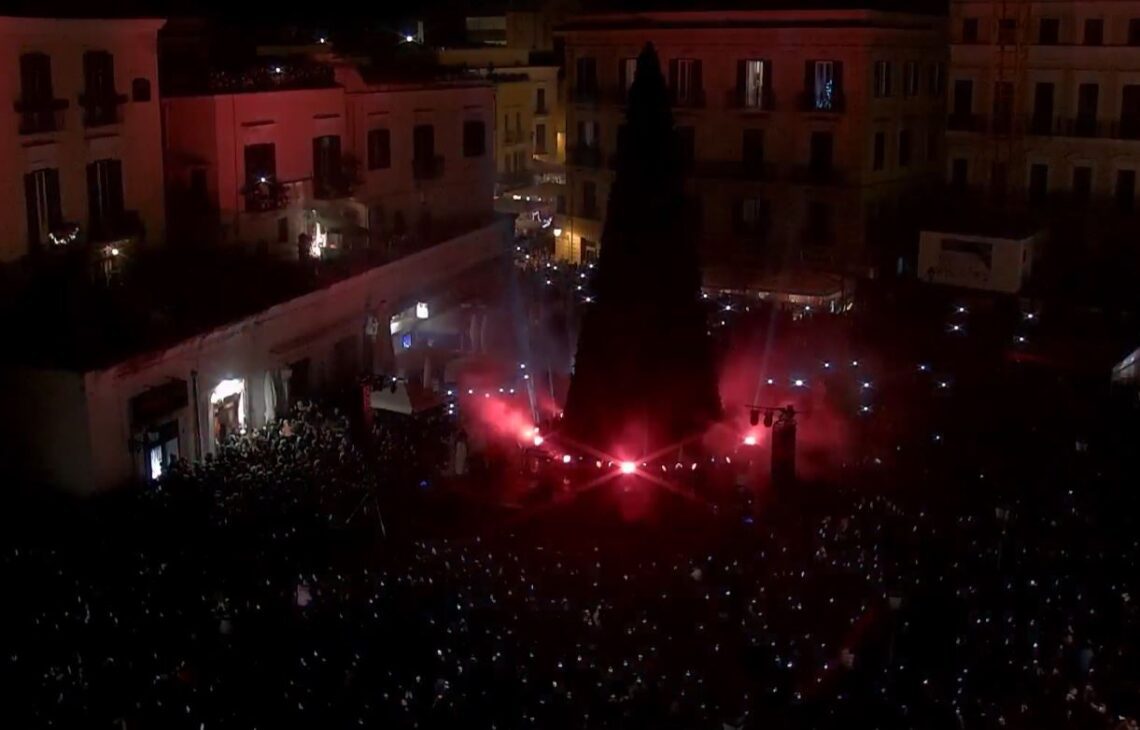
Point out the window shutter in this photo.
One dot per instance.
(698, 76)
(838, 68)
(741, 81)
(623, 82)
(673, 78)
(809, 77)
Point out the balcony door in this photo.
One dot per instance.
(1087, 97)
(1043, 108)
(260, 163)
(685, 79)
(35, 78)
(1130, 112)
(104, 197)
(1003, 107)
(326, 164)
(822, 151)
(423, 142)
(41, 196)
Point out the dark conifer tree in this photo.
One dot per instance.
(644, 375)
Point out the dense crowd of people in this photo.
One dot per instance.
(256, 589)
(977, 574)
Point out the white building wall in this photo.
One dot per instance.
(86, 431)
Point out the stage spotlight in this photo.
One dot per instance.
(538, 440)
(750, 440)
(754, 417)
(566, 458)
(798, 382)
(628, 467)
(768, 419)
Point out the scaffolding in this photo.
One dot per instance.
(1009, 54)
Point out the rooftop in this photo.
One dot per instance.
(751, 15)
(57, 314)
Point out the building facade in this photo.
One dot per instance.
(84, 429)
(1044, 102)
(529, 132)
(801, 129)
(82, 143)
(344, 162)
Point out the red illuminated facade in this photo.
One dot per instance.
(81, 138)
(803, 130)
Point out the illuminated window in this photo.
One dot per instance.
(685, 80)
(910, 78)
(755, 83)
(882, 79)
(628, 71)
(823, 81)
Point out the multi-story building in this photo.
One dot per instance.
(1044, 101)
(528, 110)
(383, 188)
(82, 141)
(801, 129)
(287, 151)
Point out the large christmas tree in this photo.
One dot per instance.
(644, 375)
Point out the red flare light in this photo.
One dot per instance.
(628, 467)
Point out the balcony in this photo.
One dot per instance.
(332, 188)
(116, 226)
(965, 123)
(738, 99)
(541, 110)
(590, 212)
(1088, 127)
(1128, 127)
(586, 156)
(815, 174)
(265, 195)
(585, 95)
(101, 109)
(1042, 125)
(40, 116)
(835, 103)
(427, 168)
(693, 99)
(742, 170)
